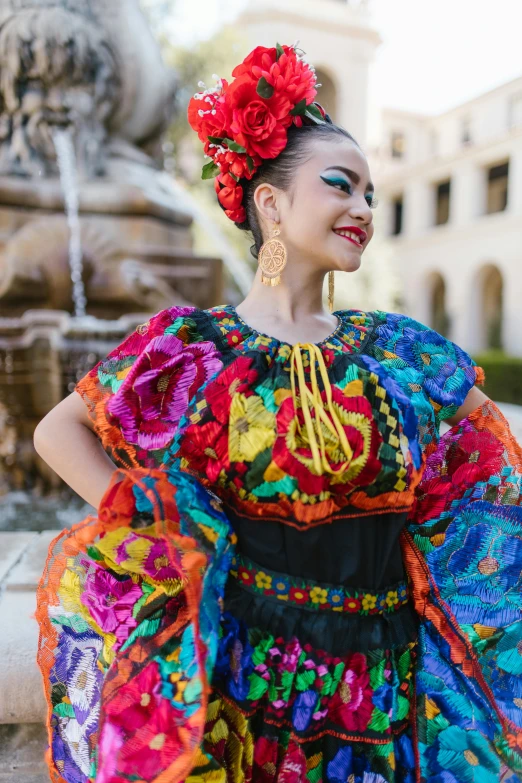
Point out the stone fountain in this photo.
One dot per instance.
(92, 237)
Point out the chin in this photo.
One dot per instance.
(348, 264)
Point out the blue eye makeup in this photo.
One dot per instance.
(344, 185)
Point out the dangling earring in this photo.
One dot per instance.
(331, 290)
(272, 259)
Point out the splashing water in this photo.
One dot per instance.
(64, 145)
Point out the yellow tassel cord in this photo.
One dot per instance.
(311, 399)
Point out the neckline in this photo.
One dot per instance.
(337, 313)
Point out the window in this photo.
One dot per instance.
(442, 204)
(465, 132)
(397, 213)
(515, 111)
(439, 319)
(398, 144)
(498, 177)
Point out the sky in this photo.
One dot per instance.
(434, 55)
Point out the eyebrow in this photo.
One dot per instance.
(352, 174)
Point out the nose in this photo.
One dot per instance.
(360, 210)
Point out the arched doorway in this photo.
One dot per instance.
(491, 287)
(438, 315)
(327, 93)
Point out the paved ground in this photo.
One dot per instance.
(21, 754)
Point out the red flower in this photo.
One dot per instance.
(433, 497)
(234, 337)
(352, 605)
(208, 114)
(260, 57)
(474, 457)
(265, 759)
(229, 193)
(293, 454)
(288, 75)
(258, 125)
(237, 378)
(205, 447)
(298, 595)
(293, 764)
(352, 705)
(236, 163)
(136, 700)
(155, 746)
(246, 575)
(254, 121)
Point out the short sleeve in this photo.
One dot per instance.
(425, 361)
(137, 395)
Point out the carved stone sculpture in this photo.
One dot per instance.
(91, 67)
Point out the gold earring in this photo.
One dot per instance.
(272, 259)
(331, 290)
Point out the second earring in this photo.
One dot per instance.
(272, 259)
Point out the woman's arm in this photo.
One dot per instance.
(65, 440)
(474, 400)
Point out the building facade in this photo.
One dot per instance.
(450, 193)
(449, 186)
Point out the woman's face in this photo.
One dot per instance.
(326, 214)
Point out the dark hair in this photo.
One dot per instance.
(281, 170)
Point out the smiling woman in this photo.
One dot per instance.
(293, 578)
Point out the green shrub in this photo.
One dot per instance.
(503, 376)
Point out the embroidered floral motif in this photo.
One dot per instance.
(310, 691)
(314, 596)
(156, 391)
(131, 605)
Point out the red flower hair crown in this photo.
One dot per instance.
(245, 122)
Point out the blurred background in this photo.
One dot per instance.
(104, 218)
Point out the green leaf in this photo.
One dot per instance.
(264, 89)
(233, 146)
(215, 139)
(210, 170)
(299, 108)
(280, 50)
(258, 687)
(250, 163)
(314, 113)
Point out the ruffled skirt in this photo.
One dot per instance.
(164, 662)
(285, 709)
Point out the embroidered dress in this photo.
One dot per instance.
(293, 577)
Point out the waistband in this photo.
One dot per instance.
(317, 596)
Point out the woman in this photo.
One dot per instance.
(241, 608)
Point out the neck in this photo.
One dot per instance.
(298, 296)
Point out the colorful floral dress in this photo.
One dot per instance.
(293, 577)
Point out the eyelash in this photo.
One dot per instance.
(343, 185)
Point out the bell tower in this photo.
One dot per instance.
(339, 40)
